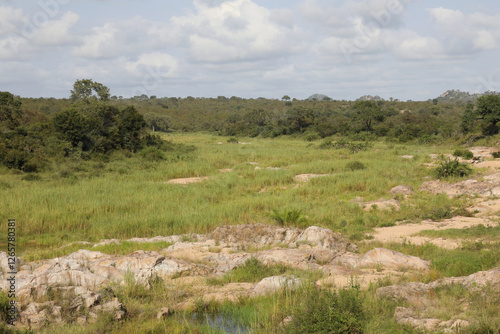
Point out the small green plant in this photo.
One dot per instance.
(496, 155)
(452, 168)
(232, 140)
(254, 271)
(287, 217)
(152, 154)
(355, 165)
(323, 311)
(31, 177)
(466, 154)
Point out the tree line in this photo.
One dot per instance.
(91, 123)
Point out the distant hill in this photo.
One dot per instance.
(370, 98)
(457, 95)
(319, 97)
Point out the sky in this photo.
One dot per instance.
(404, 49)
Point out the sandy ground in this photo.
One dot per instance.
(406, 232)
(187, 180)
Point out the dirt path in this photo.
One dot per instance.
(187, 180)
(406, 232)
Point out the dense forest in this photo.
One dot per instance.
(91, 123)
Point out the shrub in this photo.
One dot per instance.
(496, 155)
(355, 165)
(450, 168)
(152, 153)
(232, 140)
(466, 154)
(327, 143)
(252, 271)
(31, 177)
(312, 136)
(286, 217)
(323, 311)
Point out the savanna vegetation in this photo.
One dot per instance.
(95, 166)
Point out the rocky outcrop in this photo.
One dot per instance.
(79, 278)
(421, 296)
(402, 190)
(490, 186)
(391, 259)
(275, 283)
(408, 316)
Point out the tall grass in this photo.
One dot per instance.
(123, 196)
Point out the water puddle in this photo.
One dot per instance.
(220, 322)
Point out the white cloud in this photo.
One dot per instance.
(239, 30)
(57, 32)
(158, 64)
(23, 36)
(465, 34)
(10, 19)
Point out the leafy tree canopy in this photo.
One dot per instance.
(10, 109)
(86, 90)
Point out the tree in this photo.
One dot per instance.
(10, 110)
(488, 111)
(285, 98)
(131, 124)
(367, 112)
(157, 122)
(84, 90)
(73, 125)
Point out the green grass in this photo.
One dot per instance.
(124, 248)
(476, 232)
(253, 271)
(125, 196)
(471, 258)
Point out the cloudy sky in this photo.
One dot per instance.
(406, 49)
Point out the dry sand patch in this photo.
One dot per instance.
(406, 232)
(188, 180)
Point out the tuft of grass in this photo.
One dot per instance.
(288, 217)
(254, 271)
(466, 154)
(355, 165)
(475, 232)
(123, 248)
(323, 311)
(452, 168)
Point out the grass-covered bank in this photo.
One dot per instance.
(126, 196)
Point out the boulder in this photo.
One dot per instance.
(391, 259)
(164, 313)
(275, 283)
(323, 238)
(402, 190)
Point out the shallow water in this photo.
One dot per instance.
(220, 322)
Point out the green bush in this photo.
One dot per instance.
(252, 271)
(287, 217)
(152, 153)
(232, 140)
(355, 165)
(466, 154)
(452, 168)
(322, 311)
(496, 155)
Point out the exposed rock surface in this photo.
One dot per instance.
(402, 190)
(274, 283)
(81, 278)
(392, 259)
(490, 186)
(421, 296)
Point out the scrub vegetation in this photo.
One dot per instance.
(97, 167)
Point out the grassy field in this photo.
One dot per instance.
(123, 197)
(126, 196)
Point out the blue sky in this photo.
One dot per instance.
(406, 49)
